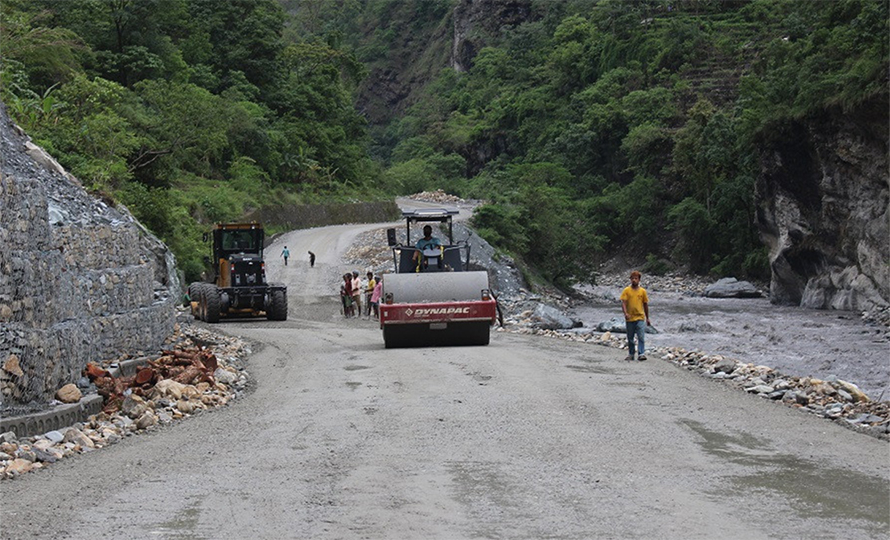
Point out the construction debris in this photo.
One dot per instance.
(438, 196)
(199, 372)
(185, 366)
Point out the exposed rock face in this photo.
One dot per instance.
(389, 89)
(477, 20)
(822, 198)
(80, 280)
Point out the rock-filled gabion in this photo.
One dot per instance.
(166, 402)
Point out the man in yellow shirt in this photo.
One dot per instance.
(635, 304)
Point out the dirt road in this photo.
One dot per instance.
(525, 438)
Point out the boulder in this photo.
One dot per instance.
(19, 466)
(549, 318)
(133, 406)
(731, 288)
(688, 326)
(77, 437)
(169, 388)
(724, 366)
(69, 393)
(618, 325)
(13, 366)
(853, 390)
(147, 420)
(224, 376)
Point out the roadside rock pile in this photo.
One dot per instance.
(833, 399)
(181, 366)
(878, 316)
(370, 251)
(615, 283)
(201, 372)
(525, 310)
(438, 196)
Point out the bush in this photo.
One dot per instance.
(656, 266)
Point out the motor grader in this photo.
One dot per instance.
(433, 298)
(237, 284)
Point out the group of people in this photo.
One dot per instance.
(351, 291)
(634, 299)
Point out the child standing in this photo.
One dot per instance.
(375, 296)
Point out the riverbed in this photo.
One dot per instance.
(795, 341)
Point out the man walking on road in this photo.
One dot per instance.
(285, 253)
(311, 259)
(635, 304)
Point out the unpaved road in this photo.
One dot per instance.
(525, 438)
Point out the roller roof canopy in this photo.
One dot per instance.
(442, 215)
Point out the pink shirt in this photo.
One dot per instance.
(375, 297)
(356, 287)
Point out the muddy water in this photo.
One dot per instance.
(813, 489)
(795, 341)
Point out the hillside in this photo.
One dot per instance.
(653, 130)
(658, 130)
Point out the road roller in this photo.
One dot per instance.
(433, 298)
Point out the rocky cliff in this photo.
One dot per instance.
(80, 280)
(822, 209)
(417, 56)
(478, 21)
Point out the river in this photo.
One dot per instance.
(795, 341)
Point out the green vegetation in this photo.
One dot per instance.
(589, 126)
(187, 111)
(607, 125)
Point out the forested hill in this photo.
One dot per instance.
(592, 126)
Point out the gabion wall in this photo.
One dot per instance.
(80, 281)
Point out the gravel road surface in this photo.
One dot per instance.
(525, 438)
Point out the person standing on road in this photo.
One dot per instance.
(635, 304)
(285, 253)
(346, 294)
(311, 260)
(369, 292)
(357, 293)
(375, 297)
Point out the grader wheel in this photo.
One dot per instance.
(278, 308)
(211, 303)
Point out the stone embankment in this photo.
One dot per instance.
(131, 412)
(80, 279)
